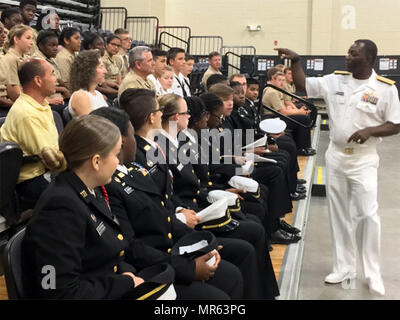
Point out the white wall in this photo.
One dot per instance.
(308, 26)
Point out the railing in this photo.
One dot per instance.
(144, 29)
(203, 45)
(233, 55)
(309, 104)
(112, 18)
(174, 36)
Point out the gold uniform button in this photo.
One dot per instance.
(198, 180)
(169, 250)
(198, 192)
(208, 173)
(115, 269)
(194, 200)
(210, 183)
(162, 203)
(169, 219)
(192, 171)
(121, 254)
(120, 237)
(169, 236)
(166, 196)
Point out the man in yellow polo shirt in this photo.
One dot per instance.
(141, 64)
(30, 123)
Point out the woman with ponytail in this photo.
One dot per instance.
(72, 229)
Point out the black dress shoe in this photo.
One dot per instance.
(297, 196)
(301, 181)
(282, 237)
(283, 225)
(301, 189)
(306, 152)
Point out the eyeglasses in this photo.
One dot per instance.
(187, 113)
(161, 109)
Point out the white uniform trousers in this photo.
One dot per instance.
(351, 182)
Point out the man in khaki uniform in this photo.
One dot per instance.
(126, 42)
(214, 60)
(141, 64)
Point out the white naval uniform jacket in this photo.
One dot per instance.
(355, 104)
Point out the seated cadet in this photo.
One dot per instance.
(30, 123)
(214, 61)
(135, 190)
(274, 99)
(94, 41)
(160, 65)
(126, 42)
(87, 71)
(187, 70)
(176, 59)
(28, 11)
(141, 65)
(72, 228)
(271, 175)
(165, 81)
(187, 191)
(20, 39)
(111, 62)
(10, 17)
(145, 115)
(70, 39)
(47, 43)
(5, 101)
(240, 119)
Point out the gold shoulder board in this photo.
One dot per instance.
(342, 72)
(385, 80)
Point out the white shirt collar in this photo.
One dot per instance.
(122, 168)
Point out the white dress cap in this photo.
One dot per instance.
(216, 195)
(273, 126)
(214, 211)
(243, 183)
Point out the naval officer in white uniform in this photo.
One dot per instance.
(362, 107)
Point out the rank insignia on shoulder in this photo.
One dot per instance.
(346, 73)
(128, 189)
(117, 180)
(147, 147)
(385, 80)
(83, 193)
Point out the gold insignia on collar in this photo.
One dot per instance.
(147, 147)
(83, 194)
(116, 179)
(121, 175)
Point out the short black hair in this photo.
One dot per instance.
(138, 104)
(214, 79)
(196, 108)
(157, 52)
(251, 81)
(370, 49)
(172, 53)
(211, 101)
(44, 35)
(189, 57)
(7, 13)
(30, 70)
(67, 33)
(233, 84)
(117, 116)
(111, 37)
(89, 38)
(23, 3)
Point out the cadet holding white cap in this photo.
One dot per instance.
(362, 107)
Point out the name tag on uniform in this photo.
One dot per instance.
(101, 228)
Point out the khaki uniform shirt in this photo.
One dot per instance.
(210, 71)
(3, 72)
(133, 80)
(124, 62)
(112, 65)
(32, 126)
(12, 62)
(64, 61)
(289, 88)
(272, 98)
